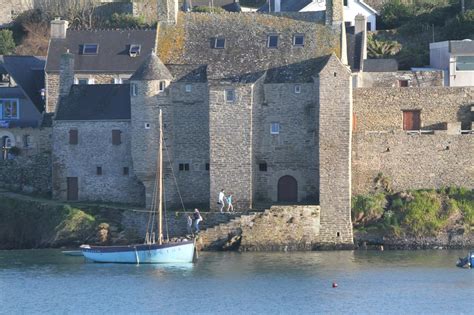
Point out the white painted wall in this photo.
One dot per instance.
(441, 58)
(353, 8)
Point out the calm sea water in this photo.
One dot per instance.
(425, 282)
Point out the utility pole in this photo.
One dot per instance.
(463, 8)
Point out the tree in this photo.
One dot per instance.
(394, 14)
(461, 27)
(7, 44)
(80, 13)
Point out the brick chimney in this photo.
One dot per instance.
(59, 28)
(66, 74)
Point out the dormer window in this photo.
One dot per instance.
(219, 43)
(298, 40)
(134, 50)
(90, 49)
(272, 41)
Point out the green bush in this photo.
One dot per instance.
(461, 27)
(423, 214)
(394, 14)
(205, 9)
(7, 44)
(368, 208)
(124, 20)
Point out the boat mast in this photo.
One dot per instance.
(160, 192)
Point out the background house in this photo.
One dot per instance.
(456, 59)
(351, 9)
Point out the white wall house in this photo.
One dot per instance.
(456, 59)
(351, 9)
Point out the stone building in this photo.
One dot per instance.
(101, 56)
(264, 106)
(249, 106)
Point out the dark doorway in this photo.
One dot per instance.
(72, 189)
(287, 189)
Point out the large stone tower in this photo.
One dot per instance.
(149, 94)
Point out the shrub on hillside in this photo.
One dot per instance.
(394, 14)
(368, 208)
(461, 27)
(7, 44)
(205, 9)
(125, 21)
(422, 215)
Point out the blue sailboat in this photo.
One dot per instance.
(155, 250)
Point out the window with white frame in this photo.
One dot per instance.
(298, 40)
(90, 49)
(9, 109)
(188, 88)
(133, 89)
(230, 95)
(162, 86)
(272, 41)
(117, 80)
(275, 128)
(297, 89)
(218, 43)
(465, 63)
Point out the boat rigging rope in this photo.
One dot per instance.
(174, 177)
(166, 217)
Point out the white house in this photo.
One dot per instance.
(351, 9)
(456, 59)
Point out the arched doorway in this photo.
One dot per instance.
(287, 189)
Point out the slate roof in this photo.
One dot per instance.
(28, 73)
(95, 102)
(113, 52)
(188, 73)
(380, 65)
(246, 56)
(152, 69)
(287, 5)
(302, 72)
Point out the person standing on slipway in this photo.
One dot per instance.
(221, 201)
(197, 218)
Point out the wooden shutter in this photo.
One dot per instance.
(73, 136)
(411, 120)
(116, 137)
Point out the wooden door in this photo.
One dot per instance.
(72, 188)
(287, 189)
(411, 120)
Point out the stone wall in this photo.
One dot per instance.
(95, 149)
(391, 79)
(380, 109)
(334, 129)
(412, 161)
(52, 84)
(292, 151)
(230, 132)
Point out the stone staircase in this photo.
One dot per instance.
(224, 236)
(281, 228)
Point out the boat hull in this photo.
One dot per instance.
(180, 252)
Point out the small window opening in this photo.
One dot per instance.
(133, 89)
(26, 141)
(275, 128)
(134, 50)
(125, 171)
(219, 43)
(298, 40)
(207, 167)
(262, 167)
(90, 49)
(116, 137)
(403, 83)
(188, 88)
(73, 136)
(338, 234)
(147, 125)
(162, 86)
(230, 95)
(272, 41)
(345, 3)
(83, 81)
(184, 166)
(99, 170)
(297, 89)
